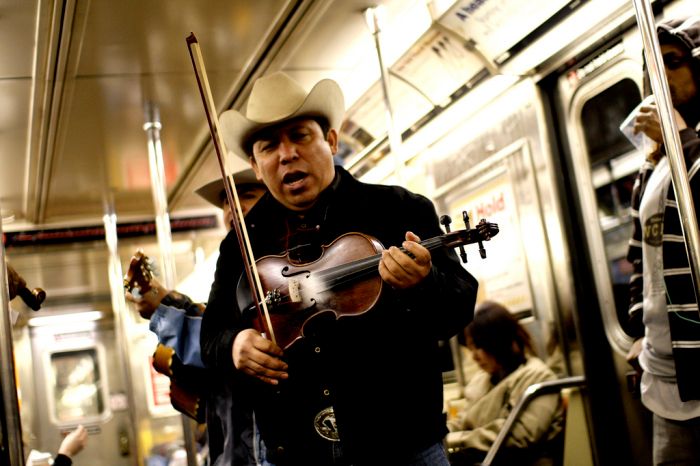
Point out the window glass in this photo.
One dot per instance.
(601, 117)
(77, 385)
(614, 162)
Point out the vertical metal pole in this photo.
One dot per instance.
(10, 403)
(395, 141)
(122, 320)
(672, 140)
(458, 362)
(158, 188)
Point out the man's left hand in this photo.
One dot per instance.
(406, 269)
(147, 303)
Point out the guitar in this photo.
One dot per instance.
(187, 383)
(139, 274)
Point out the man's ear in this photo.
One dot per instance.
(254, 166)
(332, 139)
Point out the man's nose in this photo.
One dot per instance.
(287, 150)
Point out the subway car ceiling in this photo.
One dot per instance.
(80, 79)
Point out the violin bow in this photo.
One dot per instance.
(231, 194)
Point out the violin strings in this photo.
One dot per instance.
(340, 274)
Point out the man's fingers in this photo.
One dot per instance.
(258, 357)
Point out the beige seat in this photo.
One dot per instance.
(556, 446)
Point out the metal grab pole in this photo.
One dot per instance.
(157, 172)
(672, 140)
(395, 141)
(121, 318)
(10, 403)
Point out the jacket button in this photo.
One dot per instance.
(326, 392)
(317, 349)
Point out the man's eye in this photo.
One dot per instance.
(299, 135)
(674, 62)
(266, 146)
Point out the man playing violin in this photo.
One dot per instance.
(354, 389)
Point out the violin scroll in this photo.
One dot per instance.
(18, 287)
(483, 231)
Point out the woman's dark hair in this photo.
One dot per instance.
(496, 331)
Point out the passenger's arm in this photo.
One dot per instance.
(530, 427)
(691, 153)
(71, 445)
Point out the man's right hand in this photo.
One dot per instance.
(647, 122)
(74, 442)
(259, 357)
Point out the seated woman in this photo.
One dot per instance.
(503, 350)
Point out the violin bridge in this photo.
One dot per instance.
(294, 290)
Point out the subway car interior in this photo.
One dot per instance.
(505, 110)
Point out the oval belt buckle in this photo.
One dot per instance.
(325, 425)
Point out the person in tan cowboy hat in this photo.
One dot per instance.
(323, 391)
(248, 188)
(230, 428)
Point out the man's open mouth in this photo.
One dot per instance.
(293, 178)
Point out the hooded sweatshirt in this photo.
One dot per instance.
(681, 304)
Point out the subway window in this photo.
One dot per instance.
(614, 162)
(77, 385)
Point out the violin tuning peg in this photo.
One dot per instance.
(485, 233)
(465, 219)
(445, 221)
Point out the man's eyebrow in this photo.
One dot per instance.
(265, 135)
(674, 54)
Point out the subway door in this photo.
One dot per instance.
(495, 165)
(595, 98)
(78, 381)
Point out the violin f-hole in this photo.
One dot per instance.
(285, 273)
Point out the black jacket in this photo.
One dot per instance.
(379, 370)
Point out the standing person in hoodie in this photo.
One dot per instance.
(663, 305)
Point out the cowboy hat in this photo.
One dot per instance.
(277, 98)
(214, 192)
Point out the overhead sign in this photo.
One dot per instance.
(97, 232)
(497, 25)
(503, 274)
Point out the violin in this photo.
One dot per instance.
(343, 281)
(18, 287)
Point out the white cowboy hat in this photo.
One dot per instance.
(276, 98)
(214, 192)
